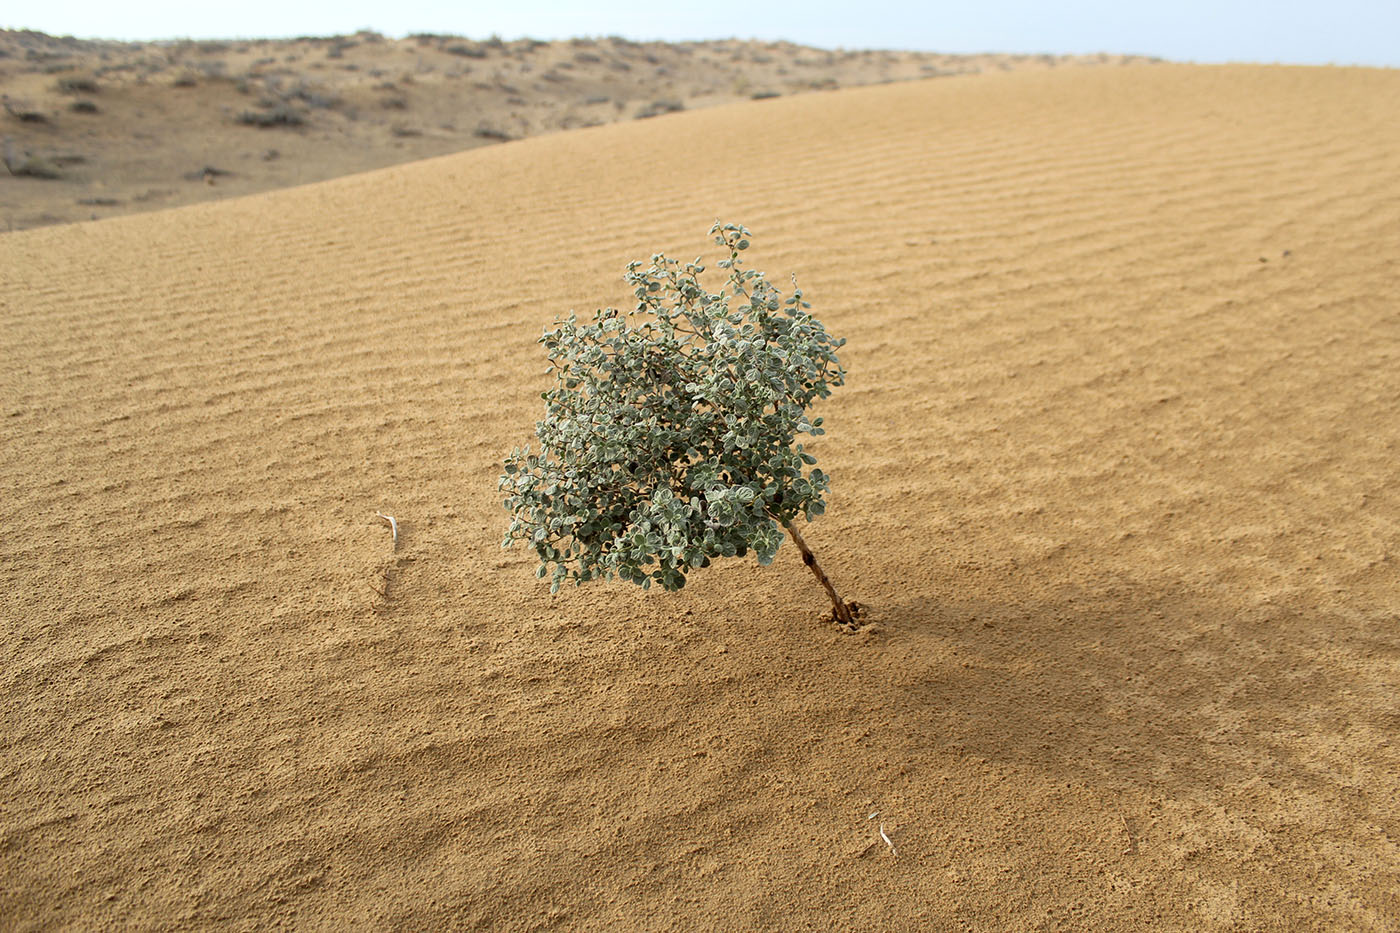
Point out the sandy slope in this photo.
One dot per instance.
(91, 129)
(1115, 470)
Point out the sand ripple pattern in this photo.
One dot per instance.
(1115, 471)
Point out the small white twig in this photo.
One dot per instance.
(393, 526)
(887, 840)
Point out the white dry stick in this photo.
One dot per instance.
(887, 840)
(393, 527)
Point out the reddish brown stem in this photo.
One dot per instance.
(841, 609)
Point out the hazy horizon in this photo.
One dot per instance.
(1346, 32)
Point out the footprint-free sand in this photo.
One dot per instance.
(1115, 472)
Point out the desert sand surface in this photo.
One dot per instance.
(1114, 473)
(93, 129)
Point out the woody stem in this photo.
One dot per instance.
(841, 609)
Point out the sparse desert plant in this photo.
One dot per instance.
(21, 111)
(668, 436)
(279, 115)
(486, 131)
(76, 85)
(83, 106)
(32, 166)
(316, 98)
(657, 107)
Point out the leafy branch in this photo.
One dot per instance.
(669, 435)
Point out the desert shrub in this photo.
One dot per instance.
(207, 174)
(76, 85)
(279, 115)
(668, 435)
(486, 131)
(83, 106)
(316, 99)
(466, 51)
(657, 107)
(23, 112)
(33, 166)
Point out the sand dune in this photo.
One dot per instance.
(1114, 471)
(92, 129)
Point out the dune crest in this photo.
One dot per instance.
(92, 129)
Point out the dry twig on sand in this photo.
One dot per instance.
(393, 527)
(887, 839)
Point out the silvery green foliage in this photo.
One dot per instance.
(667, 439)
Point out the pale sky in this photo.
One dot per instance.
(1310, 32)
